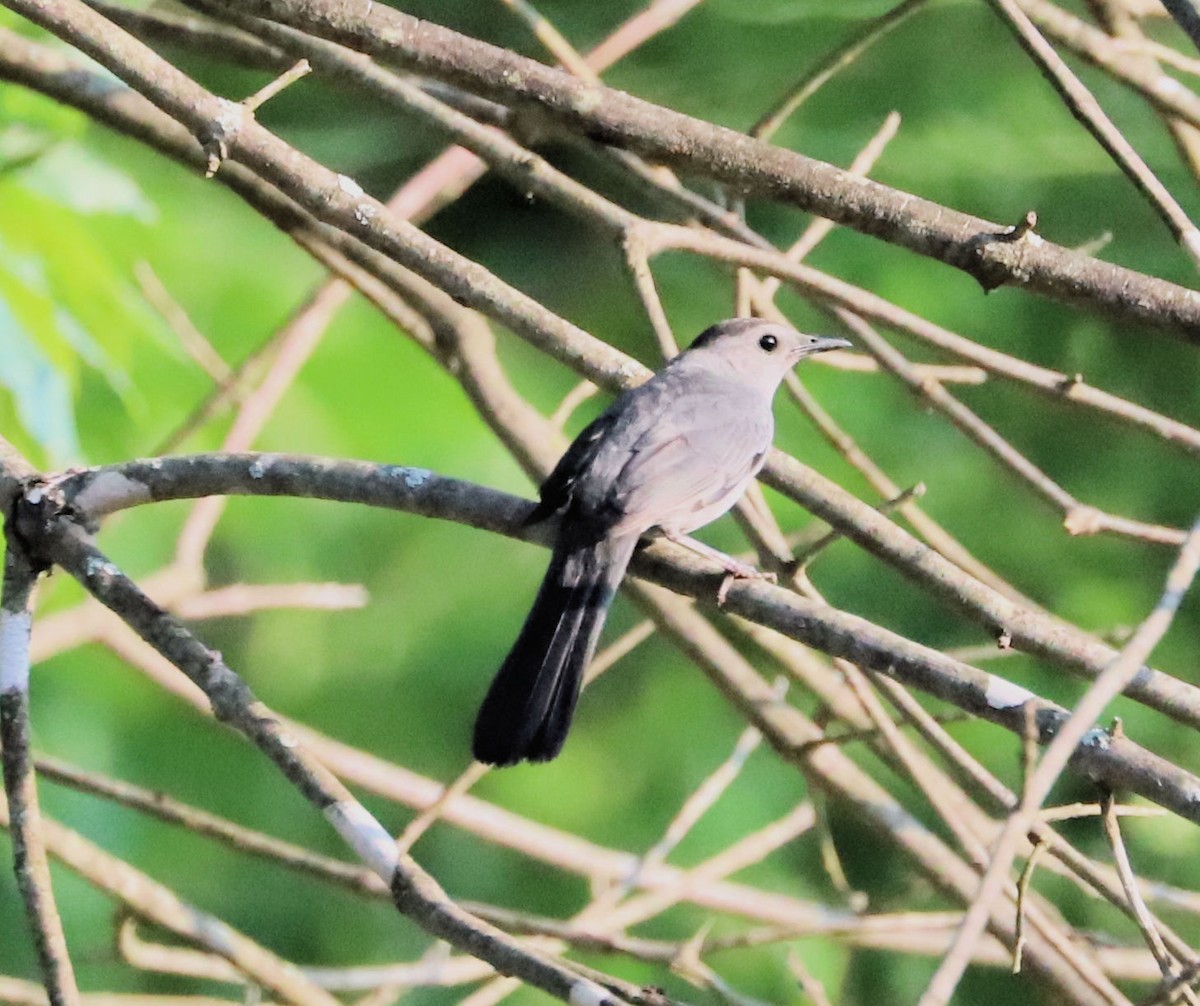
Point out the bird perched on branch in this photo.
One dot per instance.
(667, 456)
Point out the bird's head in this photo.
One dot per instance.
(761, 351)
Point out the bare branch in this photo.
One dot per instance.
(23, 812)
(1106, 687)
(977, 246)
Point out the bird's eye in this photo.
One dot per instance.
(768, 343)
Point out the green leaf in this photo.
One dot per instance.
(64, 305)
(77, 179)
(41, 391)
(58, 256)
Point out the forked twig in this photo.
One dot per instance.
(1109, 684)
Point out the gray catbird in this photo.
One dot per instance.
(672, 455)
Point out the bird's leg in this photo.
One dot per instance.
(735, 568)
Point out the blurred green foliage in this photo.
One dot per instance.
(90, 374)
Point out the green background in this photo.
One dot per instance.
(93, 376)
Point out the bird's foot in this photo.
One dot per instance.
(744, 571)
(735, 569)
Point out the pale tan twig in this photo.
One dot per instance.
(1141, 914)
(1078, 518)
(175, 589)
(624, 644)
(837, 293)
(294, 346)
(1086, 109)
(488, 822)
(1023, 883)
(155, 902)
(1105, 53)
(820, 227)
(476, 771)
(430, 814)
(194, 342)
(655, 18)
(609, 867)
(491, 992)
(1109, 684)
(1124, 25)
(571, 401)
(1091, 877)
(763, 296)
(1157, 50)
(809, 545)
(788, 730)
(552, 39)
(837, 60)
(435, 968)
(948, 800)
(901, 500)
(638, 264)
(1029, 744)
(284, 80)
(456, 169)
(695, 806)
(243, 599)
(234, 836)
(831, 860)
(808, 984)
(748, 850)
(414, 892)
(171, 960)
(947, 373)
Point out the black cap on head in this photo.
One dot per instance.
(728, 327)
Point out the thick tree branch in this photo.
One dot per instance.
(414, 892)
(1119, 762)
(469, 283)
(979, 247)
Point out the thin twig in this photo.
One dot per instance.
(837, 60)
(1087, 110)
(1023, 883)
(264, 94)
(1069, 736)
(1078, 518)
(414, 892)
(638, 263)
(552, 39)
(190, 337)
(1145, 921)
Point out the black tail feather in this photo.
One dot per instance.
(528, 708)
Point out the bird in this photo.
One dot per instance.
(667, 457)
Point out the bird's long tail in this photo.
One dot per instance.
(528, 708)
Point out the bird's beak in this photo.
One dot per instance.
(822, 343)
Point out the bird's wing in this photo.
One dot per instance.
(594, 459)
(688, 470)
(555, 493)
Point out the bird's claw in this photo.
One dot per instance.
(741, 571)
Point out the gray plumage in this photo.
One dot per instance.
(671, 454)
